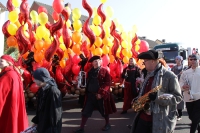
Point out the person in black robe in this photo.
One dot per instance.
(48, 117)
(98, 95)
(130, 73)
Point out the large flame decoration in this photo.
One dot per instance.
(101, 13)
(25, 41)
(56, 26)
(30, 29)
(24, 10)
(5, 27)
(57, 39)
(9, 6)
(103, 18)
(52, 49)
(86, 29)
(117, 39)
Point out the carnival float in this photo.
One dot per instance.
(63, 47)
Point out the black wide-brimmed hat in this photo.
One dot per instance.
(151, 54)
(94, 58)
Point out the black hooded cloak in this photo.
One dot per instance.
(49, 107)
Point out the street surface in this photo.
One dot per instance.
(72, 118)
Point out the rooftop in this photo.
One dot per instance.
(150, 42)
(2, 7)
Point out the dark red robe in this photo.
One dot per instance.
(130, 91)
(104, 80)
(128, 96)
(13, 117)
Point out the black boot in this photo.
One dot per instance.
(124, 112)
(80, 130)
(106, 127)
(129, 126)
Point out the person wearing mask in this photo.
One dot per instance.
(13, 116)
(189, 82)
(161, 115)
(98, 95)
(178, 69)
(129, 76)
(48, 117)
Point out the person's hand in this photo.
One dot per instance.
(121, 85)
(152, 96)
(139, 80)
(165, 96)
(74, 82)
(98, 96)
(186, 87)
(135, 99)
(180, 72)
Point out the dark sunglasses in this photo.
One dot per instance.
(192, 59)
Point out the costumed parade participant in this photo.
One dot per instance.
(129, 75)
(156, 105)
(189, 82)
(98, 94)
(13, 116)
(48, 117)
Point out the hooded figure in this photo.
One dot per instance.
(49, 108)
(13, 117)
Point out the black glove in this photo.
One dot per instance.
(84, 60)
(152, 96)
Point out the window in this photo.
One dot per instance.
(170, 56)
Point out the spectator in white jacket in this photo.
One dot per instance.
(189, 82)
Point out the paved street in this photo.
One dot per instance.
(72, 119)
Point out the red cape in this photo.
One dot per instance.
(13, 117)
